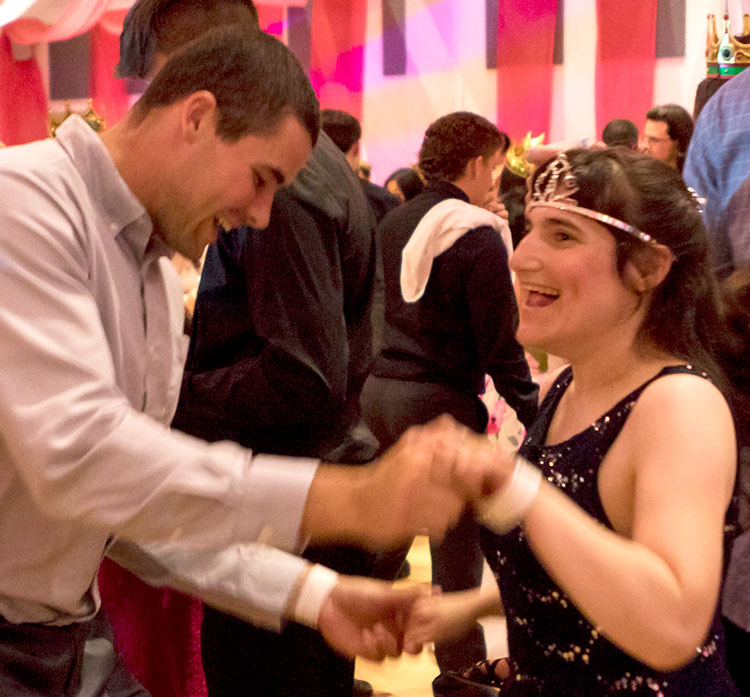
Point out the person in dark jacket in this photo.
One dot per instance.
(280, 348)
(346, 131)
(450, 318)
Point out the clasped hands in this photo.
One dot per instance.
(421, 485)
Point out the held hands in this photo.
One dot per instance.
(424, 482)
(420, 485)
(364, 617)
(438, 617)
(374, 619)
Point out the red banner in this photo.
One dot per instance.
(109, 96)
(23, 101)
(525, 49)
(625, 61)
(337, 53)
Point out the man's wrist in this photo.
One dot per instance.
(336, 504)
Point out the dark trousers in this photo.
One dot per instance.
(738, 656)
(240, 660)
(390, 407)
(78, 660)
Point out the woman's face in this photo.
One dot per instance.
(570, 294)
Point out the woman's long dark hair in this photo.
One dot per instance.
(684, 316)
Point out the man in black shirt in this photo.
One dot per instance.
(281, 345)
(450, 318)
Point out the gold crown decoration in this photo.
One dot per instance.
(89, 116)
(517, 161)
(727, 55)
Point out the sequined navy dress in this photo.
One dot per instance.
(554, 651)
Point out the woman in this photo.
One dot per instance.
(610, 582)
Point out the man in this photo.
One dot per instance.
(345, 130)
(91, 377)
(450, 319)
(667, 133)
(280, 348)
(718, 168)
(620, 132)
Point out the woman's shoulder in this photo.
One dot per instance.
(682, 407)
(680, 384)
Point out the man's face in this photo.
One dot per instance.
(656, 142)
(226, 185)
(483, 182)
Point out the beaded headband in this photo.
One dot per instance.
(555, 187)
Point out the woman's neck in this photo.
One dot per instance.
(612, 371)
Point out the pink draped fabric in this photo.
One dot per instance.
(109, 95)
(337, 53)
(625, 61)
(78, 17)
(23, 100)
(525, 47)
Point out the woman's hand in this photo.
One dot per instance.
(443, 616)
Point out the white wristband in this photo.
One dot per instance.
(313, 593)
(506, 508)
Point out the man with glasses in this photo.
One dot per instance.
(667, 134)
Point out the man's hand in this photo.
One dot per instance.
(363, 617)
(499, 209)
(420, 485)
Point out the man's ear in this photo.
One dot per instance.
(471, 168)
(647, 270)
(198, 115)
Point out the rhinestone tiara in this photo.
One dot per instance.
(556, 187)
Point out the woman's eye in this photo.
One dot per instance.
(561, 236)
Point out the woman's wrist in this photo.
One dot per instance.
(506, 508)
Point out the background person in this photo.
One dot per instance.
(718, 168)
(667, 134)
(405, 183)
(451, 323)
(620, 132)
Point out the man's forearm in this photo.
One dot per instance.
(334, 508)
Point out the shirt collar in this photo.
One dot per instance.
(446, 188)
(122, 213)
